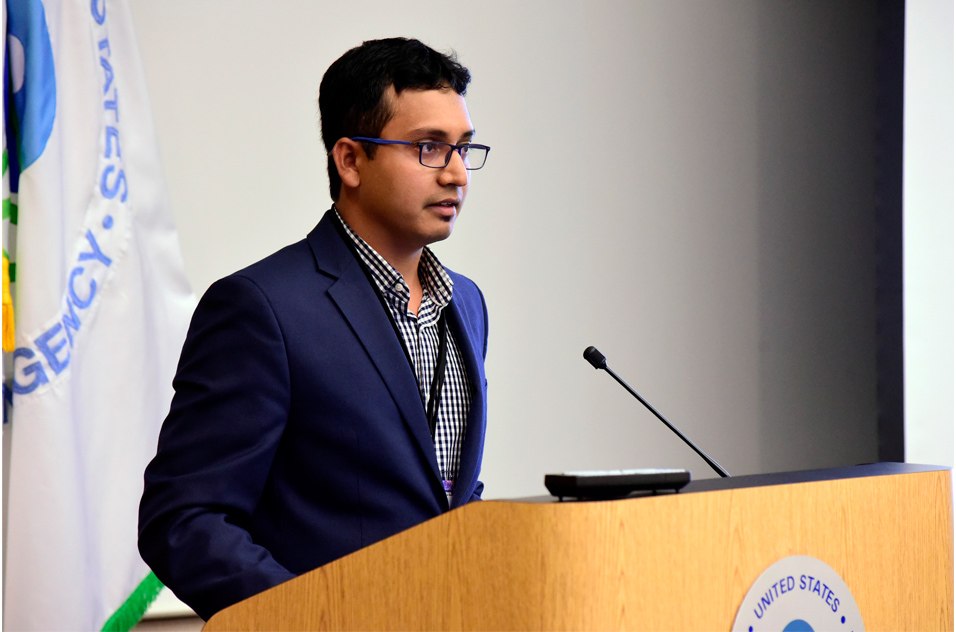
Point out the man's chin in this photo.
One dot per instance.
(441, 233)
(440, 237)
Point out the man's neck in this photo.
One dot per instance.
(407, 265)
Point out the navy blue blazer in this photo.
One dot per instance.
(296, 434)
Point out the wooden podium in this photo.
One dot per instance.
(668, 562)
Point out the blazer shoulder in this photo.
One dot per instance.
(283, 263)
(322, 250)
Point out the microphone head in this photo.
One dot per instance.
(595, 357)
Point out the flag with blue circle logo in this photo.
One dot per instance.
(101, 306)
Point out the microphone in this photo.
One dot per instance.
(598, 361)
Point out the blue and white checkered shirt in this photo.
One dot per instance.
(420, 337)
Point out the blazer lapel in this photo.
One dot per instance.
(359, 304)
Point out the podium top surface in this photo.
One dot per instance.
(777, 478)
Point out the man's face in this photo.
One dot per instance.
(405, 205)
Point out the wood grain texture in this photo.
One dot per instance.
(674, 562)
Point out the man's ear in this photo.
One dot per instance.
(347, 154)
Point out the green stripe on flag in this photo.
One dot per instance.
(130, 613)
(10, 210)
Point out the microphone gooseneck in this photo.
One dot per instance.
(598, 361)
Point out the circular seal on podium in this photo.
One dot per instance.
(799, 594)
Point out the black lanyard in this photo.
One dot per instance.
(438, 380)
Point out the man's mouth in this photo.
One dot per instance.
(451, 204)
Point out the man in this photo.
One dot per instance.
(333, 394)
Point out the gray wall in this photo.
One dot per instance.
(686, 185)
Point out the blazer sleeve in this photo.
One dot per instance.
(215, 450)
(476, 495)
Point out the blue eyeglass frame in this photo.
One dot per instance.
(419, 143)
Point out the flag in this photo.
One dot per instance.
(102, 305)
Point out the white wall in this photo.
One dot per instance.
(928, 232)
(686, 185)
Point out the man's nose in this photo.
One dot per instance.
(454, 172)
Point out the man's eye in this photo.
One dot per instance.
(429, 148)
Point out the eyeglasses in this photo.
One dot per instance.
(437, 155)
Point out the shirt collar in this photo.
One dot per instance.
(435, 280)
